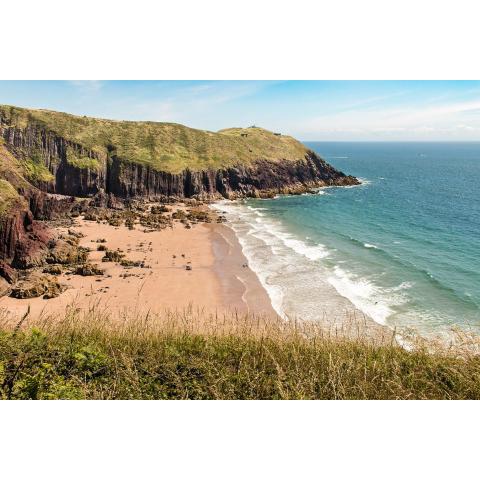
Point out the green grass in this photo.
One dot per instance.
(8, 195)
(167, 147)
(35, 171)
(81, 161)
(195, 356)
(27, 167)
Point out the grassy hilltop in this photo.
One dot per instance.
(168, 147)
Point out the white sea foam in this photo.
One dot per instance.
(370, 245)
(367, 297)
(312, 252)
(403, 286)
(292, 271)
(363, 181)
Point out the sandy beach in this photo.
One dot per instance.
(202, 267)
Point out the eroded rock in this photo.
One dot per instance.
(5, 287)
(88, 270)
(37, 285)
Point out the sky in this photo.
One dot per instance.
(308, 110)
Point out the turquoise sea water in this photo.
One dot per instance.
(404, 247)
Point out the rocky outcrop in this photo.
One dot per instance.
(266, 178)
(51, 207)
(37, 285)
(65, 252)
(12, 228)
(24, 240)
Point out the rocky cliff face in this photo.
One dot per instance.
(127, 179)
(23, 240)
(262, 178)
(12, 228)
(44, 149)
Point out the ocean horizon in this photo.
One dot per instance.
(400, 247)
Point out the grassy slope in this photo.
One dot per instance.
(205, 358)
(8, 195)
(164, 146)
(11, 179)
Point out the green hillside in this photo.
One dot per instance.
(163, 146)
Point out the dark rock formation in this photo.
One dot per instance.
(65, 252)
(12, 228)
(32, 246)
(88, 270)
(262, 178)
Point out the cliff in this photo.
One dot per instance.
(81, 156)
(22, 237)
(44, 152)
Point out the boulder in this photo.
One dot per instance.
(65, 253)
(36, 285)
(53, 270)
(88, 270)
(31, 249)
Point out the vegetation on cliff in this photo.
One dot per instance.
(8, 195)
(166, 147)
(193, 356)
(11, 181)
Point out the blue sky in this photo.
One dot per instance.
(309, 110)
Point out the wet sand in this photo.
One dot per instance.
(240, 286)
(218, 282)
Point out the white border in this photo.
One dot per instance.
(239, 440)
(369, 39)
(251, 39)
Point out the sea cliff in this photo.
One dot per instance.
(50, 159)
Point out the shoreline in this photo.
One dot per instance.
(340, 314)
(241, 286)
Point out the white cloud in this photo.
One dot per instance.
(447, 120)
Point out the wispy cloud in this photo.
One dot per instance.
(186, 101)
(87, 87)
(449, 119)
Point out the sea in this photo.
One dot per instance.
(403, 247)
